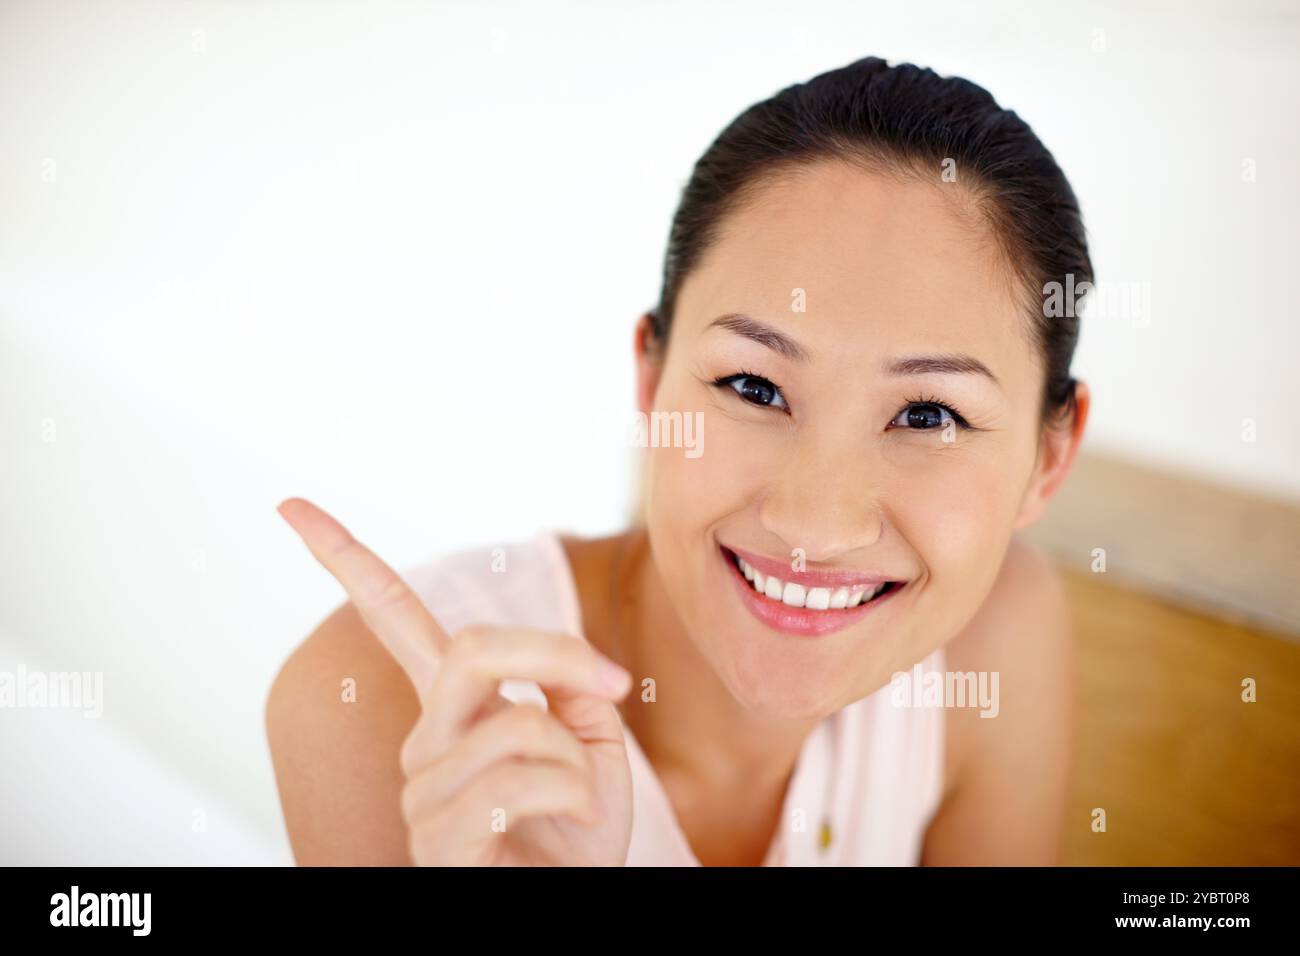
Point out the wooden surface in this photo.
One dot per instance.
(1187, 773)
(1228, 552)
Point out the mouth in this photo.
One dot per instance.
(808, 603)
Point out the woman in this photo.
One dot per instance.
(853, 308)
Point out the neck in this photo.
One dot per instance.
(693, 726)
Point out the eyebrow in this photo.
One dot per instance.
(764, 335)
(952, 364)
(947, 364)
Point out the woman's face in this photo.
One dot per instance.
(835, 462)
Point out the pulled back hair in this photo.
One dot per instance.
(908, 121)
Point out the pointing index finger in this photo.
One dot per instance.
(393, 612)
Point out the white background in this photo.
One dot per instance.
(388, 256)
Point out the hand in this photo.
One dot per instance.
(488, 782)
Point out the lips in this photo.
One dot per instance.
(809, 603)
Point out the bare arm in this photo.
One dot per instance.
(1010, 773)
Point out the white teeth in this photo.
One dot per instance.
(797, 595)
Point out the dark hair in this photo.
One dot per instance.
(908, 121)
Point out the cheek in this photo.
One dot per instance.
(721, 475)
(944, 511)
(957, 516)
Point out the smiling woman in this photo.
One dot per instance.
(852, 307)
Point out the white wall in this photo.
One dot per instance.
(388, 256)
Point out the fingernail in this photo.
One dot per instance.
(614, 677)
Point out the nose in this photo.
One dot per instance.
(826, 500)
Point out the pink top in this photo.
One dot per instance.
(873, 768)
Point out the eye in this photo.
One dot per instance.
(754, 389)
(928, 415)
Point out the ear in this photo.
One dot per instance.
(1056, 451)
(649, 363)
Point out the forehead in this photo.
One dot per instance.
(877, 256)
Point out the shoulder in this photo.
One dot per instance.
(336, 716)
(1006, 776)
(340, 707)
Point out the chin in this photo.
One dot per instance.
(785, 679)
